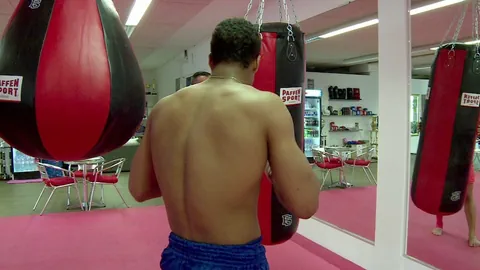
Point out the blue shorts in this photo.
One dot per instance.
(182, 254)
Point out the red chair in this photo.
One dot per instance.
(363, 159)
(65, 181)
(99, 178)
(328, 162)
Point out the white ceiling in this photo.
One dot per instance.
(171, 26)
(428, 30)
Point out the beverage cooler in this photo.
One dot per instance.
(23, 166)
(313, 109)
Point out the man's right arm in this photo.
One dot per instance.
(294, 182)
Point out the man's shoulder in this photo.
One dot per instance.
(259, 96)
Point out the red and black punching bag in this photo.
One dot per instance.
(281, 71)
(70, 85)
(447, 139)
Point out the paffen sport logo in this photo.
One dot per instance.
(34, 4)
(287, 220)
(455, 196)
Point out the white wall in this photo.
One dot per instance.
(197, 60)
(368, 85)
(178, 67)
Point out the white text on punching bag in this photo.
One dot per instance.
(10, 88)
(470, 100)
(291, 96)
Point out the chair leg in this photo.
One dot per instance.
(41, 193)
(78, 196)
(48, 200)
(353, 172)
(102, 198)
(91, 196)
(68, 197)
(121, 196)
(323, 177)
(331, 177)
(373, 176)
(368, 175)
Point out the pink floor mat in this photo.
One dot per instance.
(354, 210)
(126, 239)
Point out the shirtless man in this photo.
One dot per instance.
(470, 213)
(205, 150)
(200, 77)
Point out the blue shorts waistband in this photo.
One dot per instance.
(249, 253)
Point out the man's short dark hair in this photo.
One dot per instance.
(235, 40)
(200, 74)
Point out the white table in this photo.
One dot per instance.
(342, 152)
(85, 165)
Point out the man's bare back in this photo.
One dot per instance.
(209, 152)
(205, 149)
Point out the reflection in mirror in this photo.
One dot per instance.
(444, 137)
(341, 124)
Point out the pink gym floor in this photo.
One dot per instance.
(121, 239)
(354, 210)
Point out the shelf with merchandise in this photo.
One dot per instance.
(335, 115)
(346, 130)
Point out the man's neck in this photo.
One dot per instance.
(238, 73)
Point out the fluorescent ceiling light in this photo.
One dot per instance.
(434, 6)
(138, 10)
(421, 68)
(350, 28)
(371, 22)
(467, 43)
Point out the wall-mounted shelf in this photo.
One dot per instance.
(349, 115)
(337, 99)
(343, 130)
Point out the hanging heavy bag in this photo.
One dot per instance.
(448, 134)
(71, 87)
(282, 71)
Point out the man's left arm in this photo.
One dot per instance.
(142, 181)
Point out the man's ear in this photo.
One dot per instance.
(210, 62)
(257, 63)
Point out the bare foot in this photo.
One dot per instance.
(473, 242)
(438, 231)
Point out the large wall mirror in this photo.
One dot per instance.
(341, 135)
(450, 241)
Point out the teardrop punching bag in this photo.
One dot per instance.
(281, 71)
(70, 85)
(449, 124)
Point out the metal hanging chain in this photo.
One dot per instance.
(455, 19)
(294, 13)
(280, 10)
(249, 7)
(289, 26)
(261, 9)
(459, 25)
(476, 11)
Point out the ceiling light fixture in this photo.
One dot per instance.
(138, 10)
(434, 6)
(422, 68)
(371, 22)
